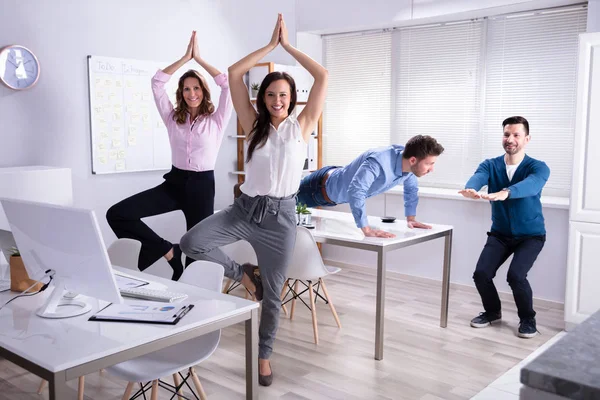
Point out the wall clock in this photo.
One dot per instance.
(19, 67)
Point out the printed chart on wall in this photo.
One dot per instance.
(128, 134)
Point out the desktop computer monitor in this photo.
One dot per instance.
(67, 241)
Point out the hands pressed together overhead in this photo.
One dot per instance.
(280, 33)
(192, 49)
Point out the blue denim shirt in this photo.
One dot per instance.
(521, 214)
(373, 172)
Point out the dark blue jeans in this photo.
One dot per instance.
(310, 192)
(495, 252)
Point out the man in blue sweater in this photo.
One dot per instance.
(515, 182)
(374, 172)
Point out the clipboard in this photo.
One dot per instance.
(145, 312)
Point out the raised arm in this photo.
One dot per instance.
(163, 103)
(196, 55)
(171, 69)
(225, 108)
(316, 99)
(239, 91)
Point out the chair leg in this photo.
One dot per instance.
(294, 300)
(198, 385)
(154, 395)
(128, 391)
(80, 387)
(177, 382)
(282, 296)
(313, 310)
(337, 320)
(42, 386)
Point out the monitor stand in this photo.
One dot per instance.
(57, 307)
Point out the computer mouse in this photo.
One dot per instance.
(388, 219)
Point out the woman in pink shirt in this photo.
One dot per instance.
(195, 131)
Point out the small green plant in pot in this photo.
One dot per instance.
(303, 214)
(254, 87)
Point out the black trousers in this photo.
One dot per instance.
(495, 252)
(189, 191)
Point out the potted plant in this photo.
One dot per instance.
(19, 278)
(254, 87)
(303, 214)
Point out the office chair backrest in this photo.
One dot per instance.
(204, 274)
(125, 253)
(241, 252)
(306, 263)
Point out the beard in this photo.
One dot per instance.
(415, 170)
(511, 150)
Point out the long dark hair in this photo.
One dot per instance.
(260, 129)
(181, 109)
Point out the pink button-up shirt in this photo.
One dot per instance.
(194, 148)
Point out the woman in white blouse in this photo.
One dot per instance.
(264, 214)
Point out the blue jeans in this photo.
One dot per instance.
(310, 192)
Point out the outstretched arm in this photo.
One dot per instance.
(477, 181)
(357, 194)
(239, 91)
(411, 199)
(316, 99)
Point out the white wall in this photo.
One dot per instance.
(336, 16)
(593, 22)
(49, 124)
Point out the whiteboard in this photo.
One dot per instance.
(127, 132)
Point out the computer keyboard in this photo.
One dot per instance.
(152, 294)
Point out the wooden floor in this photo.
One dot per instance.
(421, 360)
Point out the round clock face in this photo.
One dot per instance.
(19, 68)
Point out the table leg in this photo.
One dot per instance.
(446, 279)
(380, 305)
(252, 356)
(58, 388)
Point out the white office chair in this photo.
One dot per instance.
(149, 368)
(125, 253)
(241, 252)
(305, 268)
(121, 252)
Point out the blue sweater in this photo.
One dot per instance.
(521, 214)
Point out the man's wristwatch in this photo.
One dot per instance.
(508, 191)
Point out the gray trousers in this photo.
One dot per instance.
(269, 225)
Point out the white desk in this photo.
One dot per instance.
(63, 349)
(338, 228)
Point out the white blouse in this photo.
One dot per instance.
(276, 168)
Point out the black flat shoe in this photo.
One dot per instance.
(265, 380)
(254, 274)
(175, 263)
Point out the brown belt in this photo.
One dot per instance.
(323, 191)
